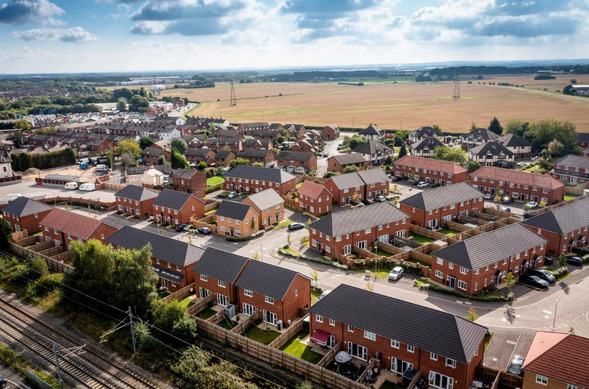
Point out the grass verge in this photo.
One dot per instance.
(298, 349)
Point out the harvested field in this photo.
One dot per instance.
(403, 105)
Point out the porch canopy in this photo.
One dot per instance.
(169, 275)
(320, 337)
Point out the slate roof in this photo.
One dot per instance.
(310, 189)
(152, 152)
(483, 134)
(253, 153)
(197, 152)
(164, 248)
(564, 359)
(372, 147)
(429, 164)
(575, 161)
(493, 148)
(223, 154)
(23, 206)
(348, 159)
(251, 142)
(583, 137)
(517, 177)
(373, 176)
(563, 220)
(294, 156)
(371, 130)
(172, 199)
(271, 133)
(442, 196)
(422, 132)
(187, 174)
(511, 140)
(347, 222)
(233, 210)
(254, 125)
(346, 181)
(491, 247)
(220, 265)
(137, 193)
(426, 328)
(268, 280)
(227, 134)
(260, 173)
(429, 143)
(266, 199)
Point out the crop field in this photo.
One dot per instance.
(405, 105)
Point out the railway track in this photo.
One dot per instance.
(92, 369)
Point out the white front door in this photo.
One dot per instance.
(441, 381)
(400, 366)
(248, 309)
(270, 317)
(202, 292)
(222, 300)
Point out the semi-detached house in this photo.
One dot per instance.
(366, 184)
(253, 179)
(237, 219)
(314, 198)
(571, 169)
(23, 213)
(360, 227)
(432, 170)
(175, 208)
(483, 260)
(444, 347)
(431, 208)
(135, 200)
(269, 206)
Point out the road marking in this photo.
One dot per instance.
(546, 317)
(510, 342)
(516, 342)
(547, 312)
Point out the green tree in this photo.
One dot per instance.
(202, 165)
(473, 126)
(305, 385)
(69, 156)
(5, 234)
(403, 151)
(516, 127)
(129, 145)
(400, 137)
(179, 145)
(472, 314)
(445, 153)
(127, 159)
(562, 260)
(509, 282)
(145, 142)
(161, 160)
(173, 319)
(543, 132)
(22, 125)
(437, 129)
(17, 138)
(238, 161)
(472, 166)
(122, 105)
(178, 161)
(555, 148)
(495, 126)
(351, 169)
(139, 103)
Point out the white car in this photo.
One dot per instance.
(87, 187)
(422, 184)
(232, 194)
(396, 273)
(325, 293)
(532, 204)
(71, 185)
(488, 196)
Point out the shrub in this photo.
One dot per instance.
(47, 283)
(223, 195)
(214, 188)
(244, 238)
(452, 292)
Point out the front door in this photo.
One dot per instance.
(248, 309)
(222, 300)
(357, 351)
(400, 366)
(202, 292)
(522, 197)
(331, 341)
(269, 221)
(452, 282)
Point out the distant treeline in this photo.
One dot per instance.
(327, 75)
(476, 70)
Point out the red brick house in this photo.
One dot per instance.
(345, 188)
(279, 301)
(314, 198)
(262, 156)
(253, 179)
(571, 169)
(445, 348)
(521, 186)
(224, 157)
(269, 205)
(175, 208)
(427, 169)
(303, 146)
(190, 181)
(258, 144)
(265, 134)
(376, 183)
(583, 139)
(431, 208)
(83, 228)
(53, 223)
(361, 227)
(295, 130)
(151, 155)
(216, 273)
(338, 163)
(196, 155)
(237, 219)
(483, 260)
(297, 159)
(330, 132)
(247, 128)
(23, 213)
(564, 227)
(135, 200)
(234, 144)
(172, 259)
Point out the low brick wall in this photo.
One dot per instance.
(205, 222)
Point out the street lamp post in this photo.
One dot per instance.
(554, 318)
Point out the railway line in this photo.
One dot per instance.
(92, 368)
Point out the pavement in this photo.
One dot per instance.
(32, 190)
(12, 376)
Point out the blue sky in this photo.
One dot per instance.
(47, 36)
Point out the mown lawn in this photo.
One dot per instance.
(206, 313)
(380, 273)
(315, 296)
(298, 349)
(380, 252)
(449, 232)
(570, 196)
(421, 239)
(186, 302)
(228, 324)
(261, 336)
(212, 181)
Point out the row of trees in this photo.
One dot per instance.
(23, 161)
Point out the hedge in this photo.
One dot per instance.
(431, 286)
(244, 238)
(322, 260)
(214, 188)
(410, 268)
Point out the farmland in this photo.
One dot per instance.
(405, 105)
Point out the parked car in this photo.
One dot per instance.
(339, 147)
(574, 260)
(295, 226)
(505, 209)
(325, 293)
(488, 196)
(532, 204)
(533, 280)
(325, 155)
(422, 184)
(396, 273)
(367, 201)
(232, 194)
(507, 199)
(544, 274)
(515, 367)
(3, 382)
(380, 199)
(548, 260)
(181, 227)
(397, 179)
(71, 186)
(204, 230)
(87, 187)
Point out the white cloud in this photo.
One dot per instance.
(38, 12)
(74, 34)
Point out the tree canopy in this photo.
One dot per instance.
(178, 161)
(238, 161)
(495, 126)
(130, 146)
(145, 142)
(445, 153)
(179, 145)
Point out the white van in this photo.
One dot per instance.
(71, 185)
(88, 187)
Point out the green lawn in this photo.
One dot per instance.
(215, 180)
(163, 294)
(299, 184)
(261, 336)
(315, 296)
(228, 324)
(449, 232)
(488, 338)
(380, 252)
(297, 349)
(206, 313)
(570, 196)
(186, 302)
(421, 239)
(380, 273)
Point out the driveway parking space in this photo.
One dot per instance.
(504, 347)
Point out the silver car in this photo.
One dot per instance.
(396, 273)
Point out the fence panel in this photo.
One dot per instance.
(179, 294)
(294, 328)
(200, 305)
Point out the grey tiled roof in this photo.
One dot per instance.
(268, 280)
(430, 143)
(266, 199)
(137, 193)
(574, 161)
(294, 156)
(442, 196)
(373, 176)
(371, 130)
(346, 222)
(425, 328)
(491, 247)
(152, 152)
(260, 173)
(233, 210)
(372, 147)
(164, 248)
(220, 265)
(223, 154)
(23, 206)
(253, 153)
(511, 140)
(172, 199)
(583, 137)
(482, 133)
(563, 220)
(493, 148)
(346, 159)
(423, 132)
(346, 181)
(197, 152)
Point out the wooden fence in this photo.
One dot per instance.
(311, 372)
(110, 186)
(206, 222)
(330, 355)
(249, 320)
(40, 246)
(179, 294)
(29, 240)
(110, 206)
(291, 331)
(200, 305)
(576, 190)
(53, 265)
(212, 205)
(427, 233)
(16, 236)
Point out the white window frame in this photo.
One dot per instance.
(319, 318)
(433, 356)
(221, 284)
(541, 379)
(269, 300)
(410, 348)
(395, 343)
(450, 363)
(369, 335)
(248, 293)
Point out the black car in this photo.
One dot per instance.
(397, 179)
(545, 275)
(574, 260)
(548, 260)
(533, 280)
(3, 382)
(204, 230)
(295, 226)
(181, 227)
(367, 201)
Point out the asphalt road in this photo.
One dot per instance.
(12, 376)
